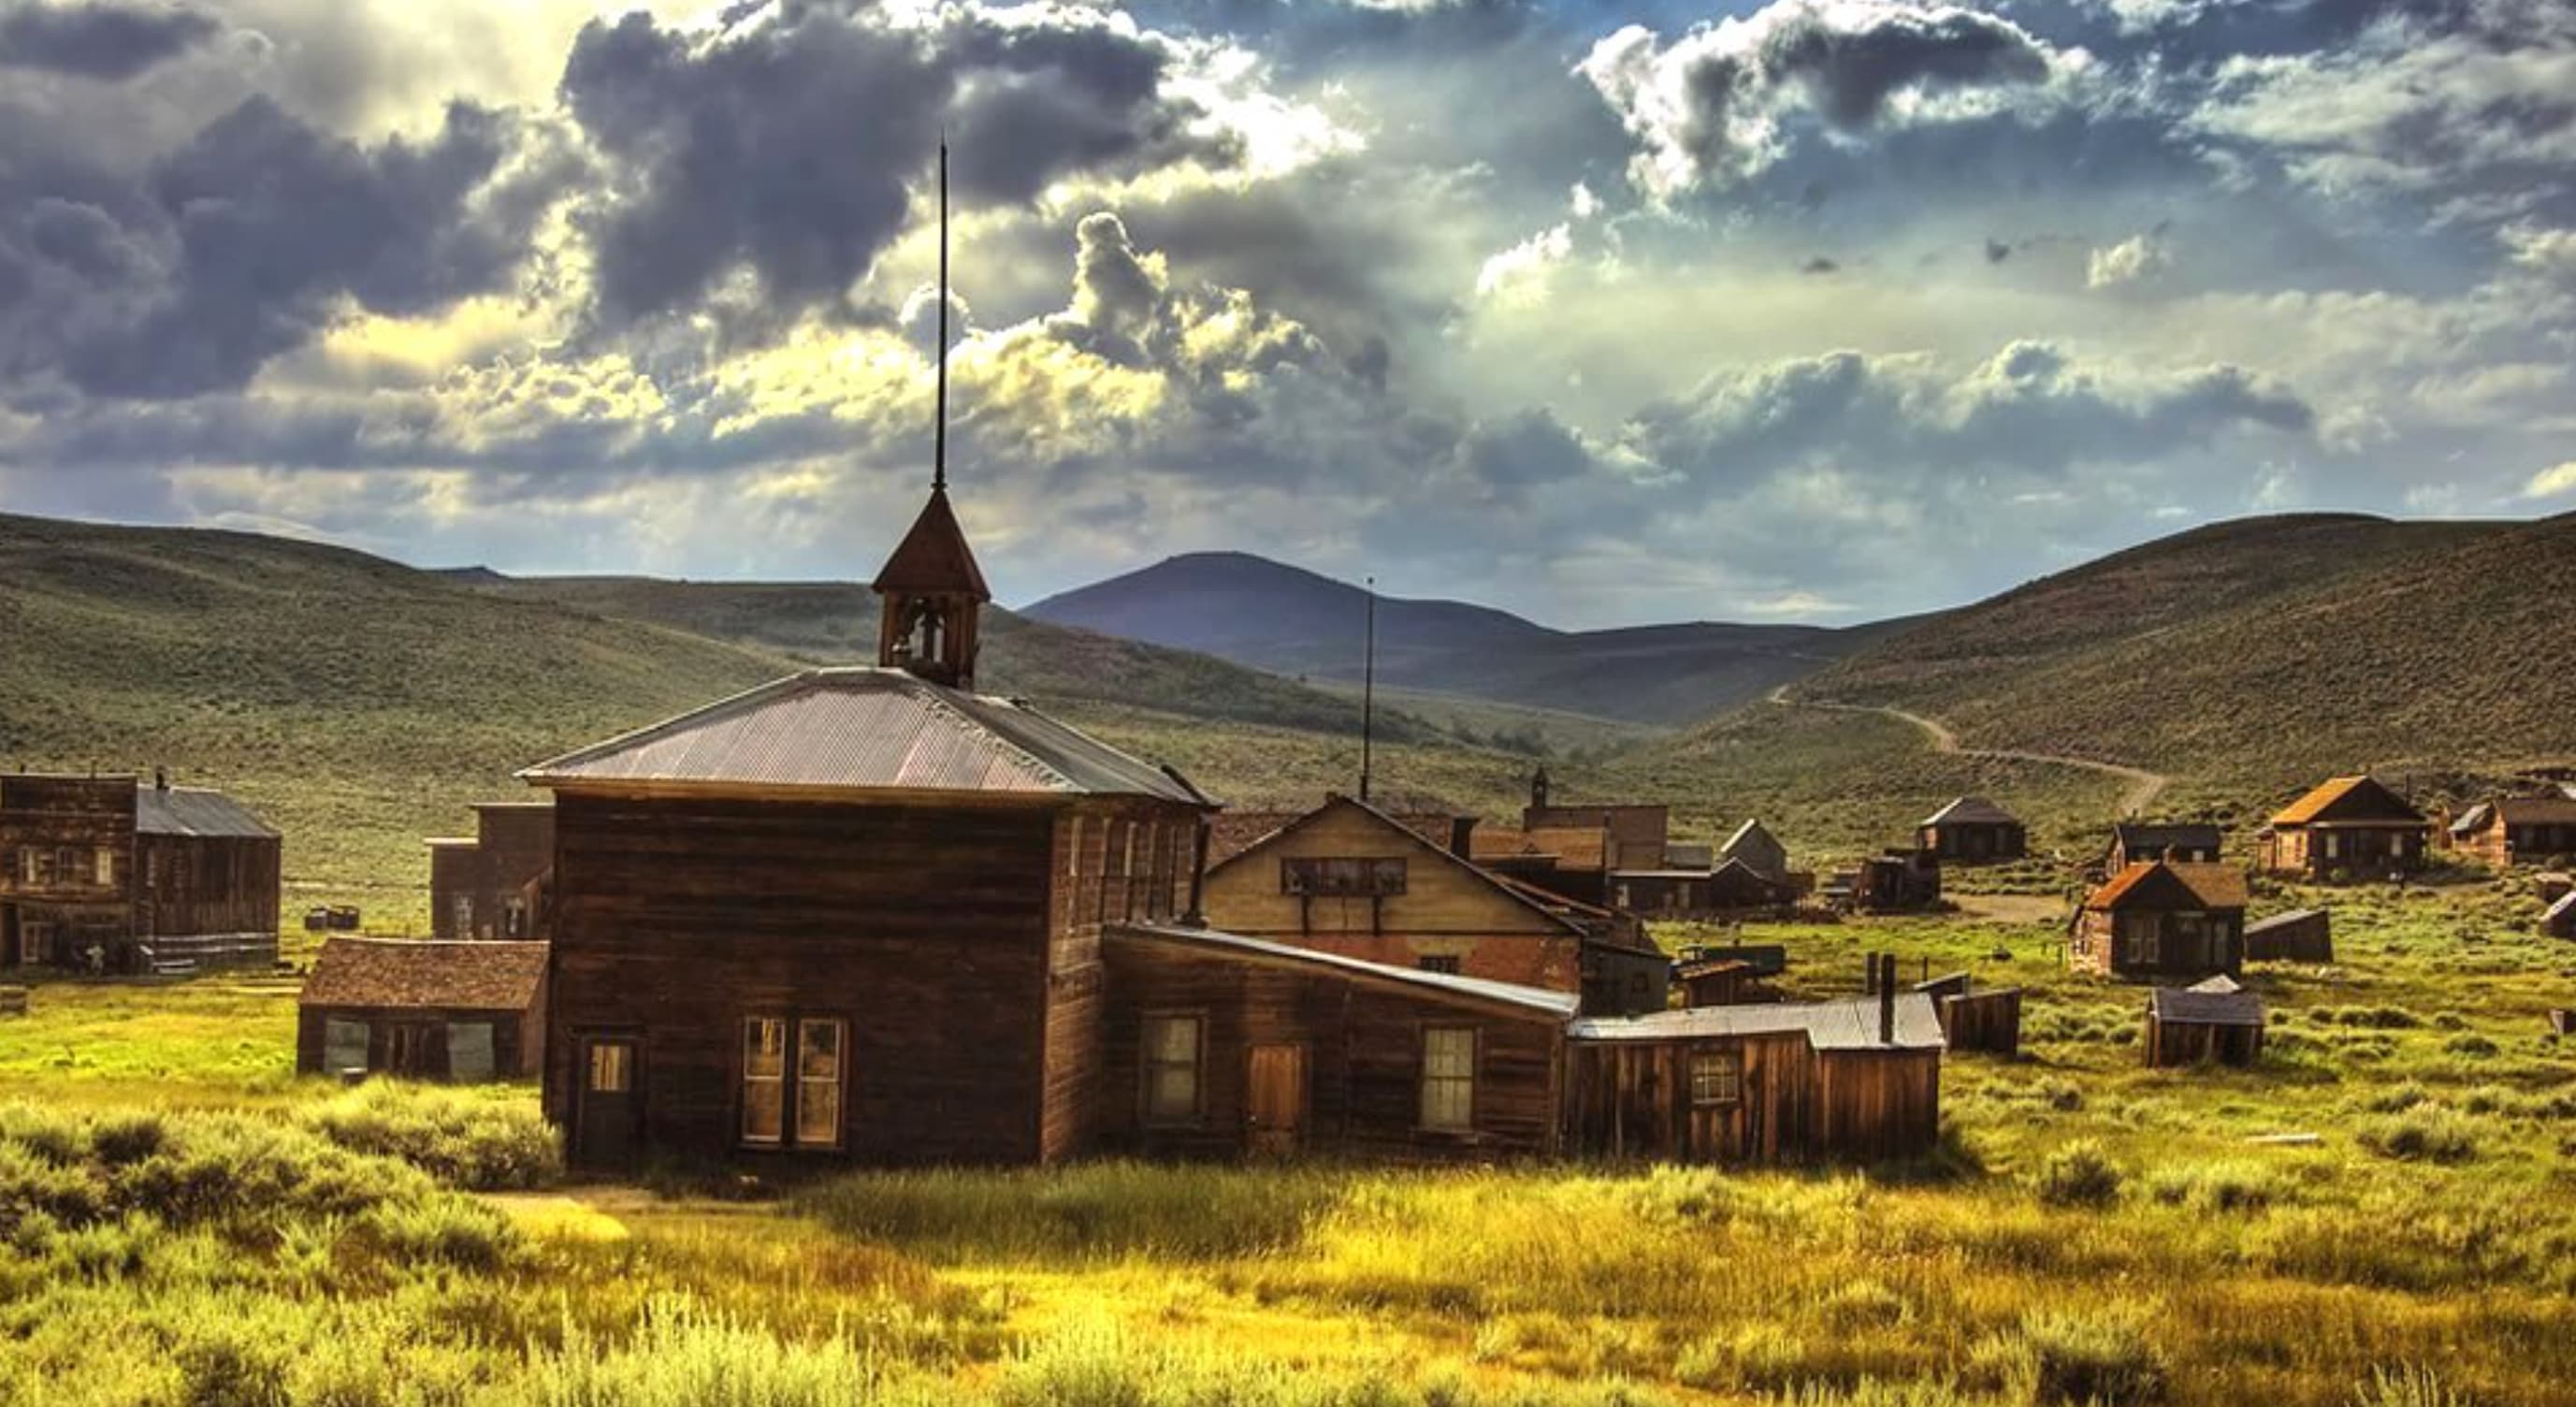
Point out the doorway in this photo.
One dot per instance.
(1275, 1114)
(607, 1109)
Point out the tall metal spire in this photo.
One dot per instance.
(939, 434)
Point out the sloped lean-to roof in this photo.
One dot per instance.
(434, 974)
(865, 729)
(195, 811)
(1971, 811)
(1851, 1023)
(1439, 985)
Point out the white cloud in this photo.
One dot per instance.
(1519, 274)
(2557, 481)
(2135, 260)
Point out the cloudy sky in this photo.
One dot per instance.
(1806, 310)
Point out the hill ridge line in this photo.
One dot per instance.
(2144, 786)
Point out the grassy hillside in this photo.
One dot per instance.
(2264, 654)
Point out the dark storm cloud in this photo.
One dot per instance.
(99, 38)
(242, 243)
(790, 148)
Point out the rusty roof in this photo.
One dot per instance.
(867, 729)
(1847, 1024)
(1217, 943)
(933, 557)
(2346, 794)
(1972, 811)
(1568, 847)
(2150, 882)
(426, 973)
(195, 811)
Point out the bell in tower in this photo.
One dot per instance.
(933, 592)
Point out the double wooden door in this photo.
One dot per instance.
(1275, 1112)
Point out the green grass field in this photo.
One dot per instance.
(183, 1222)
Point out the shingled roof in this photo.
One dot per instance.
(431, 974)
(933, 557)
(866, 729)
(2170, 884)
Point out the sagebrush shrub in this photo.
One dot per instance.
(2078, 1174)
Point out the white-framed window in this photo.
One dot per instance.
(820, 1066)
(1716, 1077)
(764, 1080)
(793, 1102)
(469, 1050)
(344, 1045)
(1173, 1048)
(1449, 1078)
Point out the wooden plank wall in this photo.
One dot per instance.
(1364, 1061)
(926, 928)
(207, 884)
(1632, 1099)
(1112, 861)
(2309, 940)
(2191, 1043)
(1984, 1021)
(517, 1038)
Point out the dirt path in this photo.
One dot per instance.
(2144, 786)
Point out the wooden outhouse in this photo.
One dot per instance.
(119, 874)
(431, 1010)
(1223, 1045)
(2210, 1022)
(1857, 1080)
(2348, 828)
(2160, 919)
(1973, 831)
(495, 883)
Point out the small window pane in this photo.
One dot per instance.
(764, 1079)
(610, 1071)
(469, 1050)
(1716, 1078)
(106, 867)
(1172, 1068)
(1449, 1078)
(818, 1083)
(344, 1045)
(764, 1048)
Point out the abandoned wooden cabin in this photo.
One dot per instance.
(1714, 981)
(2517, 830)
(462, 1011)
(118, 874)
(1571, 862)
(1855, 1080)
(1987, 1020)
(1973, 831)
(1635, 834)
(2559, 919)
(1222, 1045)
(1894, 881)
(1348, 878)
(1758, 850)
(2347, 828)
(2160, 919)
(1732, 890)
(2300, 935)
(495, 883)
(2210, 1022)
(2190, 842)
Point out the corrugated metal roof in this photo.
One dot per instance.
(2216, 1002)
(195, 811)
(1971, 810)
(867, 729)
(431, 973)
(1847, 1024)
(1219, 943)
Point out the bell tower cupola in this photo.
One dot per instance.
(932, 592)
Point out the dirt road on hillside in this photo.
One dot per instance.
(2144, 786)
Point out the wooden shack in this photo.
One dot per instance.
(2134, 842)
(1572, 862)
(1759, 850)
(1973, 831)
(2517, 830)
(1894, 881)
(853, 915)
(1219, 1045)
(1636, 835)
(1720, 981)
(2210, 1022)
(2300, 935)
(2347, 828)
(436, 1010)
(2559, 919)
(119, 874)
(1857, 1080)
(1987, 1020)
(495, 883)
(2161, 919)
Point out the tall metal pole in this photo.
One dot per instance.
(1368, 692)
(939, 435)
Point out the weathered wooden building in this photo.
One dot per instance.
(2159, 919)
(2299, 935)
(496, 883)
(1635, 834)
(2347, 828)
(1987, 1020)
(125, 875)
(1758, 850)
(1714, 981)
(1856, 1080)
(2211, 1022)
(439, 1010)
(1351, 879)
(1222, 1045)
(1572, 862)
(1973, 831)
(2517, 830)
(1893, 881)
(2190, 842)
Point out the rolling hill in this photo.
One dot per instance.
(1291, 621)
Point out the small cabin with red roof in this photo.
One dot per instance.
(2347, 828)
(2163, 918)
